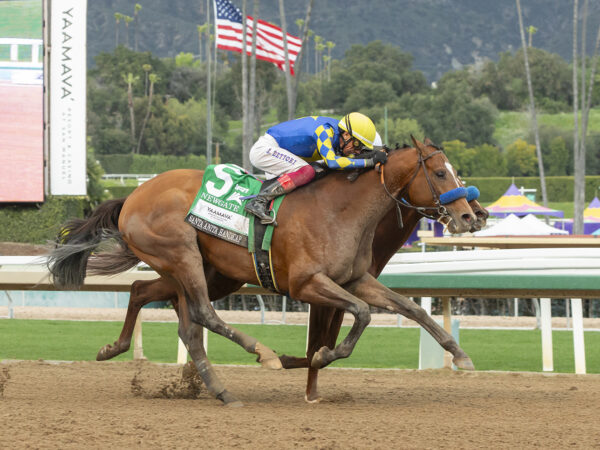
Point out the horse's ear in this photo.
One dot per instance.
(427, 141)
(418, 145)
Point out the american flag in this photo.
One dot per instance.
(269, 37)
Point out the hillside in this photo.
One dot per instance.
(441, 34)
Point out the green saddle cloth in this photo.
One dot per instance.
(218, 208)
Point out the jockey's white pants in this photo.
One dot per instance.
(266, 155)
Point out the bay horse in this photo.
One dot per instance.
(321, 250)
(325, 323)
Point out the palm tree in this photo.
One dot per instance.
(578, 203)
(127, 20)
(318, 42)
(531, 30)
(304, 47)
(131, 80)
(146, 68)
(309, 34)
(532, 108)
(288, 74)
(118, 17)
(153, 80)
(252, 82)
(202, 29)
(330, 46)
(579, 134)
(320, 47)
(136, 23)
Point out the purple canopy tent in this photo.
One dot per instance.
(513, 202)
(591, 219)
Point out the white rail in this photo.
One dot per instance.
(563, 261)
(14, 44)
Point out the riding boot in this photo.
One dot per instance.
(259, 205)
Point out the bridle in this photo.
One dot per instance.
(440, 211)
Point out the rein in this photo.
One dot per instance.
(439, 201)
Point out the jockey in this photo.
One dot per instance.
(285, 150)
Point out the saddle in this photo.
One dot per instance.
(218, 210)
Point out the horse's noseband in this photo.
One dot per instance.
(453, 194)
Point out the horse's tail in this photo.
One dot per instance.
(97, 236)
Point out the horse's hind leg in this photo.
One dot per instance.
(142, 293)
(187, 269)
(191, 335)
(376, 294)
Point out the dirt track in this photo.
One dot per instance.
(122, 405)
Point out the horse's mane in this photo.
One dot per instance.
(354, 174)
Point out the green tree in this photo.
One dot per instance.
(376, 63)
(95, 189)
(459, 156)
(557, 159)
(400, 130)
(183, 59)
(451, 112)
(520, 159)
(504, 82)
(489, 161)
(367, 93)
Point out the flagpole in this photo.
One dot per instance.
(208, 91)
(245, 126)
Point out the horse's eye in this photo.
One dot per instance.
(440, 174)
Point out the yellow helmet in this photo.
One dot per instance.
(360, 127)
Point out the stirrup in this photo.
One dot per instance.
(270, 221)
(258, 208)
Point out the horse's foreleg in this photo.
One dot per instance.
(323, 330)
(142, 293)
(376, 294)
(320, 290)
(330, 323)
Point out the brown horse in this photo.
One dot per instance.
(389, 237)
(325, 322)
(321, 253)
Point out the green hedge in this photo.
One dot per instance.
(559, 189)
(36, 224)
(120, 191)
(148, 164)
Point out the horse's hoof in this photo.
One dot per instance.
(312, 401)
(108, 352)
(272, 364)
(229, 400)
(319, 359)
(464, 363)
(267, 357)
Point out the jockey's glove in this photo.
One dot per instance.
(378, 157)
(368, 154)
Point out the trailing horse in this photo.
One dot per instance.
(321, 250)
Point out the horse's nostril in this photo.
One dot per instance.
(467, 218)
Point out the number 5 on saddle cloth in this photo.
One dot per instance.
(218, 210)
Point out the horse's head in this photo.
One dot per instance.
(481, 213)
(434, 188)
